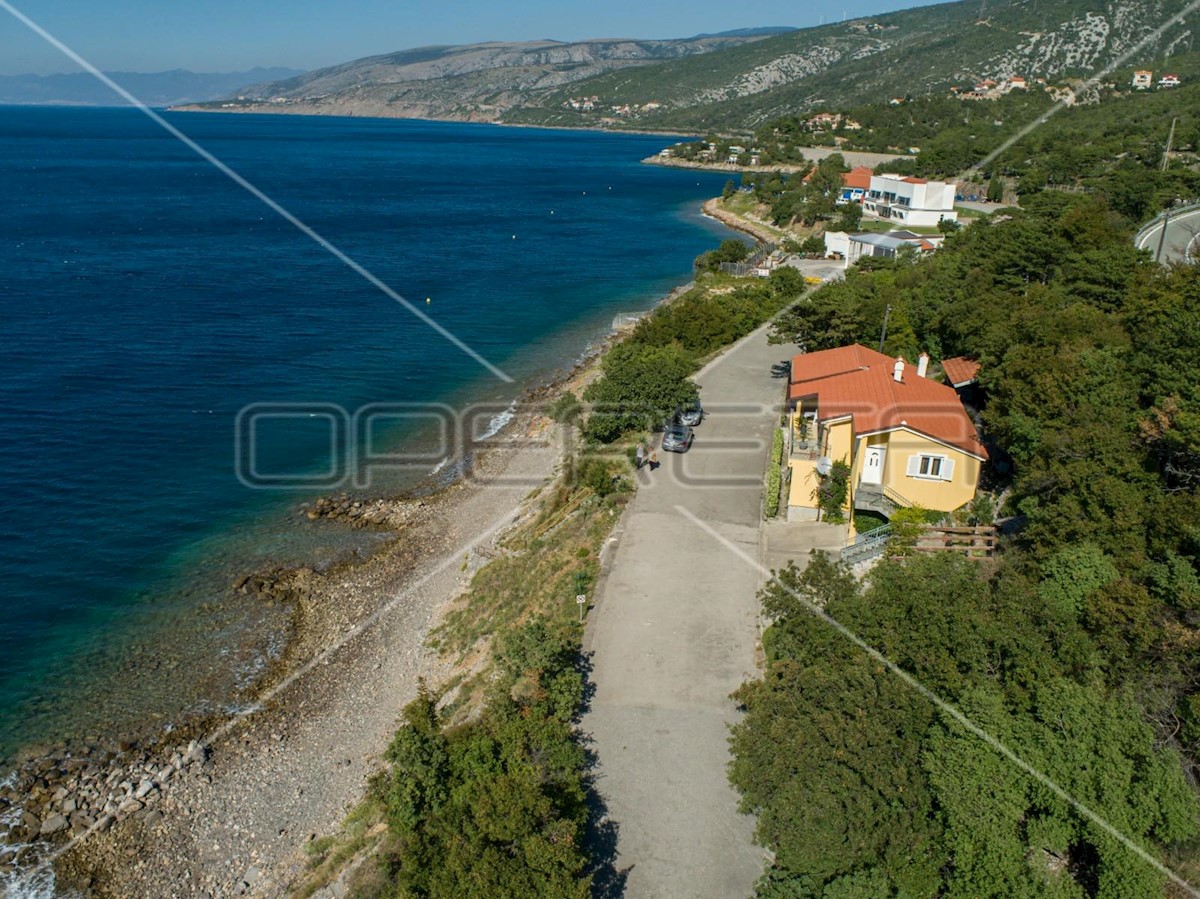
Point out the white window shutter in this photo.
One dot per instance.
(914, 466)
(947, 469)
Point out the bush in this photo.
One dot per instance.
(732, 250)
(774, 476)
(597, 475)
(565, 409)
(640, 387)
(494, 807)
(907, 525)
(832, 492)
(813, 246)
(868, 521)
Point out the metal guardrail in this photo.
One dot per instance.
(867, 545)
(1147, 229)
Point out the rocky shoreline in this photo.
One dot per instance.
(129, 819)
(761, 232)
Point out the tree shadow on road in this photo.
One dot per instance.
(600, 839)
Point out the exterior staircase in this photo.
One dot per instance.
(872, 498)
(867, 545)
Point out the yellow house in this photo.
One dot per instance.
(907, 439)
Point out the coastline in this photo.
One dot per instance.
(270, 779)
(267, 109)
(812, 154)
(736, 222)
(167, 804)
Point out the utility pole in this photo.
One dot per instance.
(1162, 238)
(1170, 140)
(883, 334)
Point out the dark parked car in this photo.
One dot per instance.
(691, 414)
(677, 439)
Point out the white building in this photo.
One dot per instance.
(910, 201)
(1168, 81)
(1143, 79)
(852, 247)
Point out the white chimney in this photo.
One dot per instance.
(898, 370)
(922, 365)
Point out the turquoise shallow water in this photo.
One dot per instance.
(146, 301)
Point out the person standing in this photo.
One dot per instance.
(641, 455)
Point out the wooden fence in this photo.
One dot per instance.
(974, 542)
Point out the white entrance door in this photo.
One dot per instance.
(872, 472)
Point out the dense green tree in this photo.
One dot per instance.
(731, 250)
(849, 217)
(495, 807)
(639, 387)
(1008, 835)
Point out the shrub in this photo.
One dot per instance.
(832, 492)
(597, 475)
(868, 521)
(732, 250)
(494, 807)
(565, 409)
(813, 246)
(774, 476)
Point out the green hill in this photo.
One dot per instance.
(911, 53)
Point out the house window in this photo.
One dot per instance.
(930, 467)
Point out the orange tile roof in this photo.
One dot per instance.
(911, 180)
(859, 176)
(843, 359)
(960, 370)
(857, 382)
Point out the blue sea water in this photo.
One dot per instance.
(145, 299)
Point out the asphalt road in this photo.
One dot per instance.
(1181, 232)
(672, 634)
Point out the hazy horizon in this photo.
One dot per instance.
(218, 36)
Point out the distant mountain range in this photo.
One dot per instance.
(476, 82)
(154, 88)
(737, 80)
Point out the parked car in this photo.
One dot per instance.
(677, 439)
(690, 414)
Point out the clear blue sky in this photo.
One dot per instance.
(230, 35)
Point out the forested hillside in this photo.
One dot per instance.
(1077, 650)
(739, 80)
(907, 54)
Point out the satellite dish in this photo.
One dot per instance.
(824, 466)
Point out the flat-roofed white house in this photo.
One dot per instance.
(852, 247)
(910, 201)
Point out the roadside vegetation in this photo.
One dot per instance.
(648, 375)
(484, 791)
